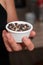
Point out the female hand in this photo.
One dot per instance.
(11, 44)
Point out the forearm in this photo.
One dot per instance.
(12, 18)
(11, 11)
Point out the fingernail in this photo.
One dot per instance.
(31, 47)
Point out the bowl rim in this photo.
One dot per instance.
(19, 22)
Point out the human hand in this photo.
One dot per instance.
(11, 44)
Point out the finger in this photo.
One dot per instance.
(12, 42)
(32, 34)
(6, 42)
(28, 43)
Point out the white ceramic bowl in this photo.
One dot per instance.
(18, 35)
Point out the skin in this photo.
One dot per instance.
(10, 8)
(9, 42)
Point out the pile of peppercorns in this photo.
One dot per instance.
(18, 27)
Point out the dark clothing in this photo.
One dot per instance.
(4, 59)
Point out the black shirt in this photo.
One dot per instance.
(4, 59)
